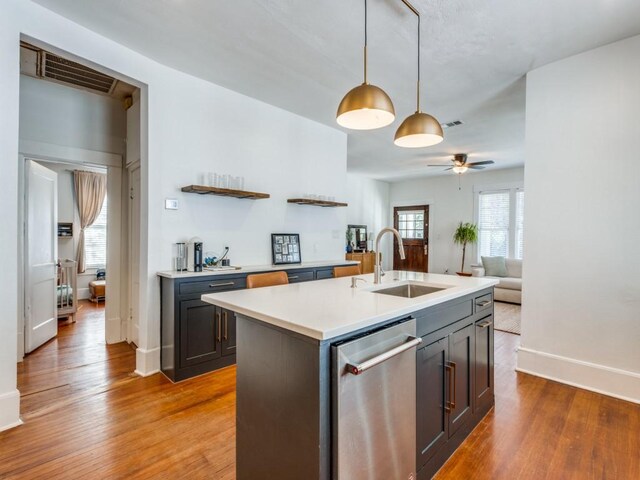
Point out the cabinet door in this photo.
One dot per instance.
(199, 332)
(460, 362)
(228, 332)
(483, 363)
(431, 399)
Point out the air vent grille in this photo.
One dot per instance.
(66, 71)
(455, 123)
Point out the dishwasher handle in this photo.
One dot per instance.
(377, 360)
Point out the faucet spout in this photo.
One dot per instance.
(377, 273)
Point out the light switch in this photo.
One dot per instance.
(171, 204)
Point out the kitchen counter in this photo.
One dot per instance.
(329, 308)
(254, 269)
(305, 408)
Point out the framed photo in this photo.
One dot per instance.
(285, 248)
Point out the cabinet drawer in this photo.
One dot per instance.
(295, 277)
(485, 302)
(324, 273)
(215, 285)
(441, 316)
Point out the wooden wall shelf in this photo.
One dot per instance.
(224, 192)
(316, 203)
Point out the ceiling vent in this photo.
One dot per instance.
(455, 123)
(66, 71)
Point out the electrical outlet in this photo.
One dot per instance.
(171, 204)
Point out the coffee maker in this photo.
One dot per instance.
(195, 255)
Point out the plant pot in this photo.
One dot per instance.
(463, 274)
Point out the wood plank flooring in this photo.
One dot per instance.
(86, 416)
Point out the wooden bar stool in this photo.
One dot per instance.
(348, 271)
(267, 279)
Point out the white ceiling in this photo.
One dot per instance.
(303, 56)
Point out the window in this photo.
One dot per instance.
(95, 240)
(500, 218)
(411, 224)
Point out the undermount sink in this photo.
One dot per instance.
(409, 290)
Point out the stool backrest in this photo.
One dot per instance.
(347, 271)
(267, 279)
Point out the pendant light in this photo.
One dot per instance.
(366, 107)
(419, 129)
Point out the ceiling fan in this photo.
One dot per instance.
(460, 164)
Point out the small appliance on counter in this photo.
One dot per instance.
(195, 255)
(180, 260)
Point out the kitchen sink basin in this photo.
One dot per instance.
(409, 290)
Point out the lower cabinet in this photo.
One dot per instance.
(206, 332)
(455, 386)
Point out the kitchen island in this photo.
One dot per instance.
(301, 412)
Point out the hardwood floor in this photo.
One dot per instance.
(86, 416)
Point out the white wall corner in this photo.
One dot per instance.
(114, 331)
(609, 381)
(10, 410)
(147, 361)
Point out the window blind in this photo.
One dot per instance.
(493, 223)
(95, 240)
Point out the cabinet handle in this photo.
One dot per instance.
(219, 325)
(224, 284)
(226, 331)
(483, 303)
(485, 324)
(452, 391)
(293, 277)
(447, 403)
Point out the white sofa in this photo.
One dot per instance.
(510, 287)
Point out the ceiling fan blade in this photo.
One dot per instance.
(450, 168)
(484, 162)
(475, 167)
(436, 165)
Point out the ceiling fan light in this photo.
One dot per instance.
(365, 107)
(460, 169)
(419, 130)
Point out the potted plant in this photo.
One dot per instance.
(349, 237)
(466, 233)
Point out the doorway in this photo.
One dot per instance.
(413, 224)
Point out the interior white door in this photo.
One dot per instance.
(41, 253)
(134, 252)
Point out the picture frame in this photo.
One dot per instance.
(285, 249)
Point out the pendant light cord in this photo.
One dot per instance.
(417, 14)
(365, 41)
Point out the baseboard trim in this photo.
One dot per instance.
(10, 410)
(84, 294)
(613, 382)
(147, 361)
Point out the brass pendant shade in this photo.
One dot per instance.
(419, 130)
(365, 107)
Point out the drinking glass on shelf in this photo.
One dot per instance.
(202, 179)
(223, 181)
(212, 179)
(332, 199)
(240, 183)
(233, 182)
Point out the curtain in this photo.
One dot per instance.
(90, 189)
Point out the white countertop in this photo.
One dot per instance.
(254, 268)
(324, 309)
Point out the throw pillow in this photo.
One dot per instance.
(494, 266)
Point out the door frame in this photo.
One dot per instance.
(429, 202)
(46, 153)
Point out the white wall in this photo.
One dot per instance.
(188, 126)
(581, 301)
(369, 205)
(61, 115)
(451, 200)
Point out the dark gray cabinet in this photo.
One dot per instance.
(198, 333)
(197, 337)
(454, 377)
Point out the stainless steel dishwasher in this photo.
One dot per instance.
(374, 404)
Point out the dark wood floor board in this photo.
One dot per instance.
(87, 416)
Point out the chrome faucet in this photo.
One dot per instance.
(377, 272)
